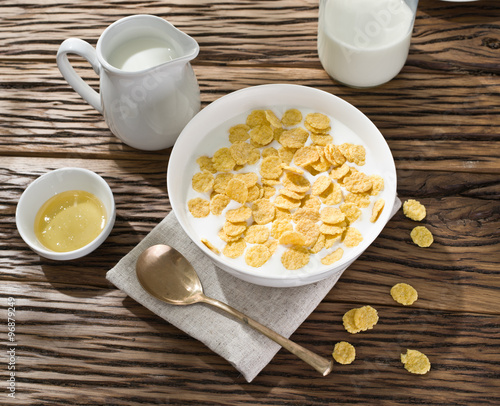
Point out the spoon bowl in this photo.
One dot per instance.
(166, 274)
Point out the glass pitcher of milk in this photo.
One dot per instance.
(364, 43)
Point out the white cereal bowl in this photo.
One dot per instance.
(50, 184)
(208, 131)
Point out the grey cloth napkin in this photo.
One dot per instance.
(281, 309)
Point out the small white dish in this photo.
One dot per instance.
(50, 184)
(207, 132)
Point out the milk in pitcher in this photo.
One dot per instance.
(364, 43)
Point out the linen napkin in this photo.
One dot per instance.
(281, 309)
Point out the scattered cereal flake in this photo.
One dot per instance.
(234, 249)
(351, 211)
(339, 172)
(241, 152)
(269, 191)
(257, 234)
(295, 258)
(263, 211)
(309, 229)
(378, 206)
(291, 193)
(239, 132)
(270, 167)
(330, 229)
(295, 182)
(333, 257)
(320, 184)
(362, 200)
(224, 237)
(348, 321)
(292, 169)
(221, 181)
(310, 213)
(257, 255)
(318, 245)
(256, 118)
(239, 215)
(292, 237)
(281, 214)
(321, 139)
(270, 182)
(249, 178)
(318, 121)
(294, 138)
(357, 182)
(344, 353)
(223, 160)
(234, 229)
(254, 193)
(272, 119)
(262, 135)
(206, 164)
(237, 190)
(272, 245)
(365, 318)
(378, 184)
(404, 294)
(416, 362)
(332, 215)
(357, 154)
(315, 131)
(203, 181)
(414, 210)
(312, 202)
(422, 236)
(210, 246)
(269, 151)
(199, 207)
(331, 239)
(277, 133)
(279, 227)
(286, 154)
(285, 202)
(218, 203)
(305, 156)
(332, 195)
(254, 157)
(352, 237)
(291, 117)
(333, 154)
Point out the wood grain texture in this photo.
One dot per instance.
(83, 342)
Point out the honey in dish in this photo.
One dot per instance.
(70, 220)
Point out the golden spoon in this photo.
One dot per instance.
(165, 274)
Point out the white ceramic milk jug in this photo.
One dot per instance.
(148, 91)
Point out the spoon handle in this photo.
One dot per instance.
(320, 364)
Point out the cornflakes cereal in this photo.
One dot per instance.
(331, 239)
(292, 169)
(241, 152)
(365, 318)
(318, 245)
(221, 181)
(295, 182)
(416, 362)
(210, 246)
(320, 185)
(270, 151)
(404, 294)
(362, 200)
(414, 210)
(254, 193)
(256, 118)
(262, 135)
(257, 234)
(239, 132)
(309, 229)
(279, 227)
(315, 131)
(292, 237)
(340, 172)
(321, 140)
(272, 245)
(223, 160)
(344, 353)
(282, 214)
(377, 209)
(286, 154)
(270, 167)
(333, 257)
(318, 121)
(206, 164)
(348, 321)
(357, 182)
(224, 237)
(199, 207)
(257, 255)
(422, 236)
(310, 213)
(234, 229)
(270, 182)
(333, 155)
(234, 249)
(239, 215)
(332, 195)
(294, 138)
(237, 190)
(351, 211)
(306, 156)
(295, 258)
(269, 191)
(291, 117)
(312, 202)
(356, 154)
(329, 229)
(378, 184)
(202, 181)
(263, 211)
(285, 202)
(272, 119)
(352, 237)
(291, 194)
(332, 215)
(218, 203)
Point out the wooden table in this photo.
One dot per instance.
(82, 341)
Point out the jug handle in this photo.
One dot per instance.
(85, 50)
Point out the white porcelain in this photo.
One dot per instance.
(364, 43)
(207, 132)
(50, 184)
(148, 108)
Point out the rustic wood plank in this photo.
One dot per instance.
(113, 350)
(461, 267)
(432, 130)
(447, 37)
